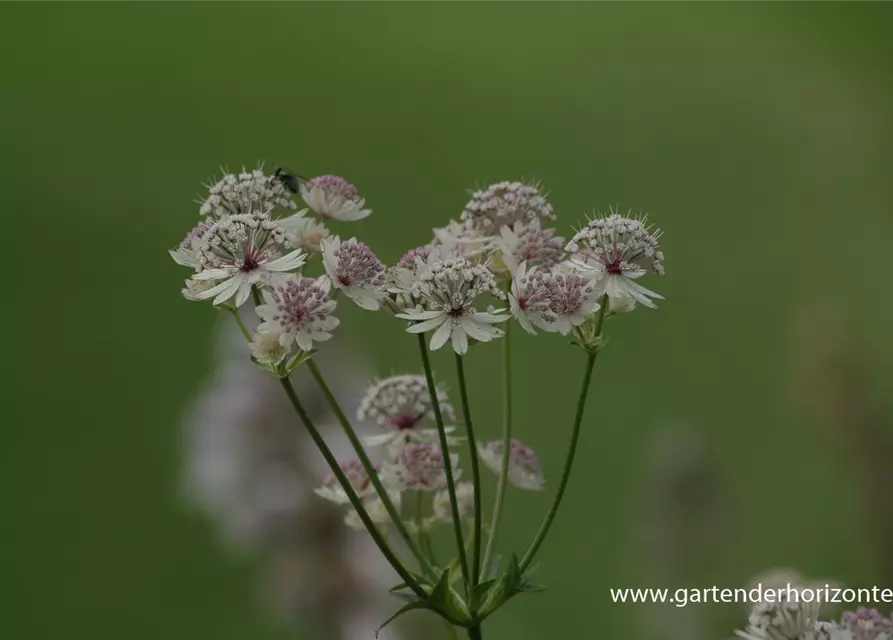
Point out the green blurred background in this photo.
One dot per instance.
(760, 137)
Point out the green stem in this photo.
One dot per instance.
(376, 535)
(244, 329)
(474, 633)
(575, 437)
(502, 483)
(383, 495)
(475, 472)
(447, 464)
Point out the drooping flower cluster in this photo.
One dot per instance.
(524, 465)
(418, 465)
(402, 405)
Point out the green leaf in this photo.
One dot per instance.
(418, 604)
(447, 602)
(492, 569)
(479, 594)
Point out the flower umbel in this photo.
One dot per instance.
(505, 204)
(418, 465)
(618, 250)
(248, 191)
(524, 464)
(447, 291)
(402, 404)
(530, 243)
(240, 251)
(332, 491)
(553, 301)
(355, 270)
(299, 311)
(334, 197)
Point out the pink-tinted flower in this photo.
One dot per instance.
(524, 465)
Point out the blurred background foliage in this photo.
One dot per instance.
(759, 136)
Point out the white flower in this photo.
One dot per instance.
(334, 197)
(267, 348)
(187, 253)
(464, 502)
(447, 290)
(418, 465)
(619, 250)
(195, 287)
(240, 251)
(332, 490)
(524, 465)
(783, 619)
(530, 243)
(246, 192)
(304, 232)
(299, 311)
(355, 270)
(622, 304)
(463, 239)
(402, 404)
(376, 510)
(553, 301)
(505, 204)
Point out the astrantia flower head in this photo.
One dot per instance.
(785, 619)
(187, 252)
(332, 490)
(447, 291)
(248, 191)
(238, 252)
(411, 258)
(418, 465)
(530, 243)
(524, 465)
(402, 404)
(464, 501)
(355, 270)
(866, 624)
(298, 310)
(505, 204)
(619, 250)
(464, 239)
(304, 232)
(553, 301)
(267, 348)
(378, 513)
(334, 197)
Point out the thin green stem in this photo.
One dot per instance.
(242, 327)
(474, 633)
(475, 472)
(447, 464)
(502, 482)
(383, 495)
(355, 500)
(575, 437)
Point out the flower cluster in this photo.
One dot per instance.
(500, 262)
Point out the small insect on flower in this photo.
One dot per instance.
(332, 490)
(464, 502)
(240, 251)
(418, 465)
(505, 204)
(524, 465)
(402, 404)
(288, 179)
(618, 250)
(530, 243)
(248, 191)
(333, 197)
(355, 270)
(447, 291)
(299, 311)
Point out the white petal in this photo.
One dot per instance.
(442, 334)
(427, 325)
(460, 339)
(288, 262)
